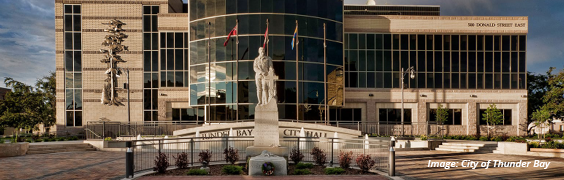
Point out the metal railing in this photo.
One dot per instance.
(146, 151)
(101, 130)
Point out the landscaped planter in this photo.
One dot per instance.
(547, 150)
(13, 149)
(512, 148)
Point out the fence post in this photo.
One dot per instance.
(332, 144)
(103, 130)
(129, 160)
(160, 146)
(392, 159)
(298, 146)
(192, 151)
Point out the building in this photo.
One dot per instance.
(463, 63)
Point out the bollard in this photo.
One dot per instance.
(392, 159)
(129, 160)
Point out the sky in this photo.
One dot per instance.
(27, 31)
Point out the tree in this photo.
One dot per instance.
(492, 116)
(25, 107)
(541, 117)
(47, 86)
(442, 115)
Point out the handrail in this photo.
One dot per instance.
(92, 132)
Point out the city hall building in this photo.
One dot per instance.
(343, 68)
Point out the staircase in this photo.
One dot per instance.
(45, 148)
(471, 147)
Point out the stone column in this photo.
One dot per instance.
(473, 124)
(522, 125)
(422, 117)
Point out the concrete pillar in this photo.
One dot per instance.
(422, 117)
(472, 119)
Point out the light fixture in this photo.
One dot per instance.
(371, 95)
(523, 96)
(422, 95)
(473, 95)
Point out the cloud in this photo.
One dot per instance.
(27, 36)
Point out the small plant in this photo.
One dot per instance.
(181, 160)
(296, 156)
(483, 138)
(336, 170)
(108, 139)
(534, 144)
(1, 141)
(205, 157)
(232, 169)
(496, 138)
(197, 172)
(364, 162)
(319, 156)
(423, 137)
(345, 159)
(304, 166)
(302, 172)
(161, 163)
(231, 155)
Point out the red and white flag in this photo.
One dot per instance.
(233, 32)
(265, 38)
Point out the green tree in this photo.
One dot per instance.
(25, 107)
(541, 117)
(46, 87)
(537, 85)
(441, 116)
(492, 116)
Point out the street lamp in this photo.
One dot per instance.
(411, 72)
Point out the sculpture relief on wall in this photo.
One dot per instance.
(113, 42)
(264, 78)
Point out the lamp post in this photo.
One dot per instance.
(412, 76)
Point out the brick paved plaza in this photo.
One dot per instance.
(410, 165)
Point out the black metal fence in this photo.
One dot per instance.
(101, 130)
(146, 151)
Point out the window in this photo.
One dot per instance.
(346, 115)
(454, 116)
(150, 62)
(73, 64)
(174, 63)
(187, 115)
(507, 120)
(393, 116)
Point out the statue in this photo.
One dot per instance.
(113, 41)
(264, 78)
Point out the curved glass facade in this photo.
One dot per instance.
(223, 80)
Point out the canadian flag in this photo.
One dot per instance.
(265, 38)
(233, 32)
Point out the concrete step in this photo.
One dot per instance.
(57, 151)
(464, 144)
(497, 152)
(55, 148)
(458, 147)
(454, 150)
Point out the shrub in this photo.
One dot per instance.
(161, 163)
(231, 155)
(304, 166)
(496, 138)
(364, 162)
(205, 157)
(232, 169)
(345, 159)
(423, 137)
(296, 156)
(336, 170)
(319, 156)
(553, 145)
(181, 160)
(108, 139)
(197, 172)
(302, 172)
(1, 141)
(28, 140)
(471, 138)
(534, 144)
(483, 138)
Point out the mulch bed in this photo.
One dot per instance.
(215, 170)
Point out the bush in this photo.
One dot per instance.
(319, 156)
(553, 145)
(364, 162)
(1, 141)
(181, 160)
(161, 163)
(534, 144)
(197, 172)
(231, 155)
(108, 139)
(296, 156)
(345, 159)
(302, 172)
(336, 170)
(471, 138)
(483, 138)
(304, 166)
(205, 157)
(423, 137)
(232, 169)
(496, 138)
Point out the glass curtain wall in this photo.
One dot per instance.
(73, 64)
(306, 80)
(462, 61)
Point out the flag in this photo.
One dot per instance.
(233, 32)
(294, 38)
(265, 38)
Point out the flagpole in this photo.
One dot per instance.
(325, 71)
(297, 76)
(209, 74)
(267, 34)
(237, 62)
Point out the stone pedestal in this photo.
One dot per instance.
(266, 125)
(279, 151)
(255, 164)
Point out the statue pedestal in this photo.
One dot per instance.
(266, 125)
(256, 163)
